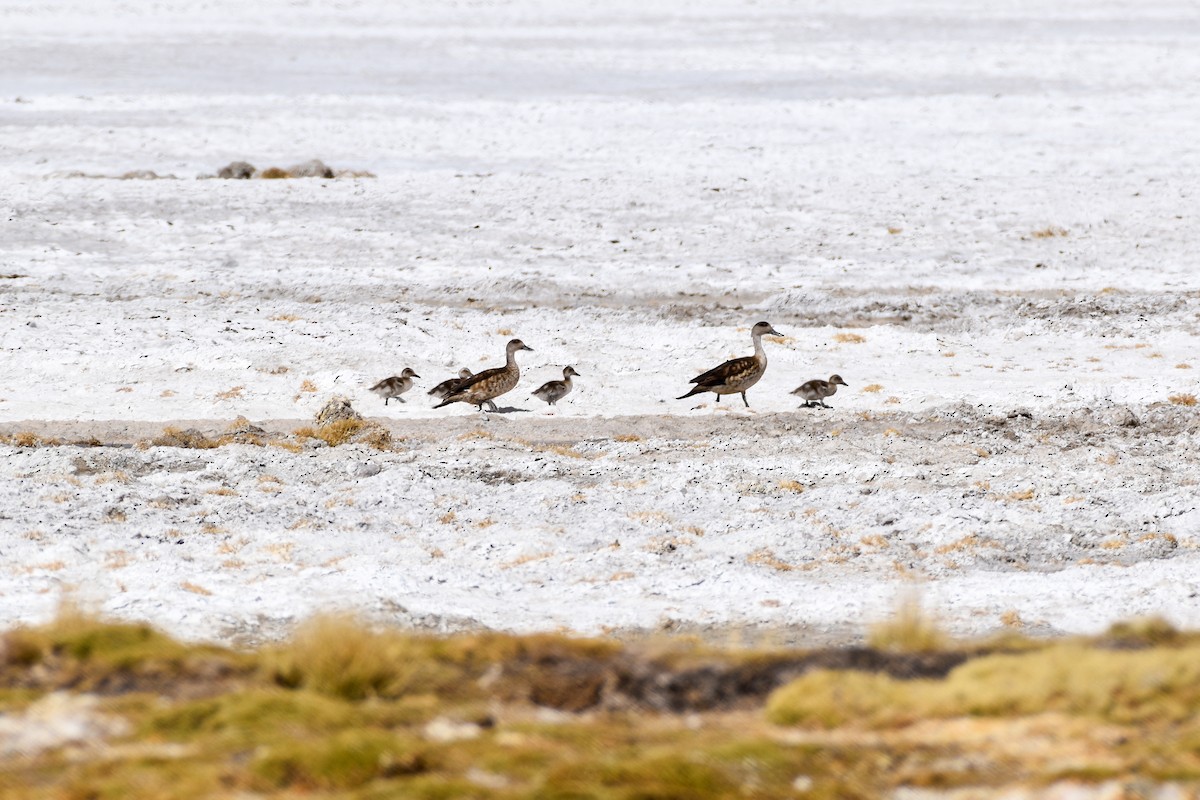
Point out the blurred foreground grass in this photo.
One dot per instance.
(94, 709)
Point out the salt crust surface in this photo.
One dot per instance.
(997, 199)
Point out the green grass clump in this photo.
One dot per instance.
(1119, 686)
(80, 638)
(345, 760)
(340, 656)
(344, 710)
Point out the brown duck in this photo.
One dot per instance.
(483, 387)
(739, 374)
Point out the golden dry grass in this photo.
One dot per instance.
(346, 431)
(765, 557)
(342, 709)
(30, 440)
(909, 630)
(1049, 232)
(849, 338)
(1183, 399)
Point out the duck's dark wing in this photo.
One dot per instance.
(548, 387)
(445, 387)
(719, 375)
(478, 377)
(386, 383)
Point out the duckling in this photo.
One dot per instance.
(483, 387)
(815, 391)
(553, 391)
(739, 374)
(445, 387)
(395, 385)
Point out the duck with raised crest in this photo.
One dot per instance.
(553, 391)
(483, 387)
(814, 392)
(447, 386)
(395, 386)
(739, 374)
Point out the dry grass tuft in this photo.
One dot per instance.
(1183, 365)
(1131, 687)
(561, 450)
(765, 557)
(871, 388)
(1153, 631)
(791, 486)
(231, 394)
(30, 440)
(190, 438)
(627, 437)
(307, 386)
(910, 630)
(1049, 232)
(1183, 399)
(349, 431)
(188, 586)
(274, 174)
(849, 338)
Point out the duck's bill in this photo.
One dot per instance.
(527, 347)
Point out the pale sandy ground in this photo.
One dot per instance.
(966, 209)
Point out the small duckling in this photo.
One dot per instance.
(553, 391)
(815, 391)
(395, 385)
(445, 387)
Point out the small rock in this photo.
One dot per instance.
(57, 720)
(802, 783)
(1121, 417)
(447, 730)
(315, 168)
(236, 170)
(141, 175)
(364, 469)
(336, 410)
